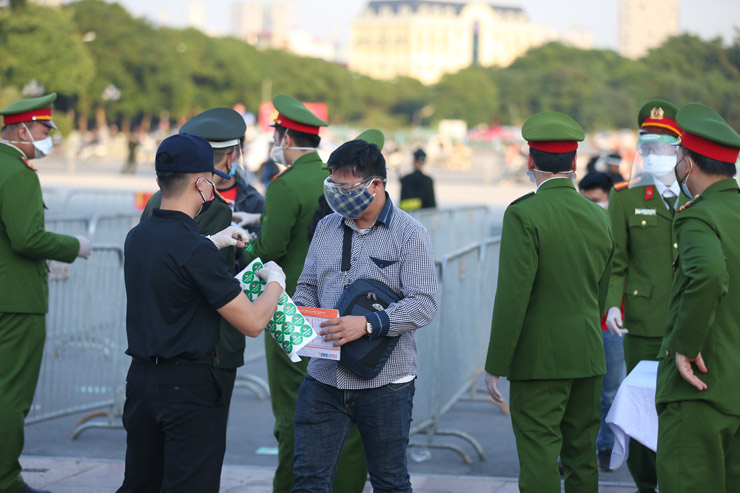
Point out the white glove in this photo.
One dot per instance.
(492, 386)
(614, 321)
(85, 247)
(246, 218)
(233, 235)
(271, 272)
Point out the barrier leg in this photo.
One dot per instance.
(253, 383)
(111, 421)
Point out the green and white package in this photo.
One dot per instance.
(287, 326)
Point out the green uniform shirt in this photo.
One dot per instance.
(290, 201)
(24, 243)
(554, 265)
(231, 343)
(644, 250)
(704, 313)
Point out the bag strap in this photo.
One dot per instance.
(347, 250)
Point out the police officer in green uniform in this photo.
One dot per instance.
(222, 127)
(24, 289)
(698, 394)
(290, 202)
(555, 260)
(642, 211)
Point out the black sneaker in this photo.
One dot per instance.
(28, 489)
(604, 458)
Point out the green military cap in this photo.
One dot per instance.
(552, 132)
(221, 127)
(658, 113)
(372, 136)
(294, 115)
(707, 133)
(30, 110)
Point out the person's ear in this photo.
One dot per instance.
(573, 164)
(530, 163)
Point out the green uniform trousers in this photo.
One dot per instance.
(22, 338)
(641, 460)
(554, 418)
(226, 378)
(698, 449)
(284, 378)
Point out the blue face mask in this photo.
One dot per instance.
(683, 181)
(346, 200)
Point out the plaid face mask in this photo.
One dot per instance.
(348, 202)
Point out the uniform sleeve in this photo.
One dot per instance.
(419, 288)
(154, 202)
(620, 257)
(22, 213)
(278, 220)
(518, 263)
(211, 277)
(606, 277)
(702, 261)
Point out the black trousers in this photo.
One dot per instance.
(175, 419)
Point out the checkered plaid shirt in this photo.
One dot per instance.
(396, 251)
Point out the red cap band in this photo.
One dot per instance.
(555, 147)
(664, 122)
(709, 149)
(294, 125)
(44, 114)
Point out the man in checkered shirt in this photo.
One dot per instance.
(388, 246)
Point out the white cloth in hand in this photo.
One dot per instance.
(614, 321)
(85, 247)
(272, 272)
(246, 218)
(229, 237)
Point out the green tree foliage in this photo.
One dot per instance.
(89, 45)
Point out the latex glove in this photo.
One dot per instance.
(272, 272)
(85, 247)
(614, 321)
(231, 236)
(246, 218)
(492, 386)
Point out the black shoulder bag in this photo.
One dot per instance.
(367, 355)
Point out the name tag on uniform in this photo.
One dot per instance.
(644, 212)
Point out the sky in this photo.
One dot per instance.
(331, 19)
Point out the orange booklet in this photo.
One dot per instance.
(317, 348)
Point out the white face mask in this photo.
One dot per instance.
(42, 148)
(278, 152)
(658, 165)
(603, 205)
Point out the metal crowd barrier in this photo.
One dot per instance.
(83, 367)
(452, 349)
(454, 228)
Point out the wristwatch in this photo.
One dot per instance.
(369, 328)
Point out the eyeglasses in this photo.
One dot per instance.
(348, 188)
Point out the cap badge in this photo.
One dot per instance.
(678, 140)
(656, 113)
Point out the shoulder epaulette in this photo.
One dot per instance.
(280, 174)
(522, 198)
(621, 185)
(30, 166)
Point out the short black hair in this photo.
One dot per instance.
(221, 152)
(595, 180)
(553, 162)
(172, 183)
(302, 139)
(712, 166)
(360, 158)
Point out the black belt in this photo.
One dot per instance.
(157, 361)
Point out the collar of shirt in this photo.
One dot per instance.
(662, 188)
(172, 215)
(14, 147)
(553, 178)
(384, 217)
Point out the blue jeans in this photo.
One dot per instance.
(324, 416)
(615, 373)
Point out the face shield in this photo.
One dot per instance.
(654, 160)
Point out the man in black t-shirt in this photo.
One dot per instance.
(177, 289)
(417, 189)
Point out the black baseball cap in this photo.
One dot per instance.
(185, 153)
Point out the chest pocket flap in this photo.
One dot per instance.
(643, 221)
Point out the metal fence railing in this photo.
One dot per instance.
(452, 349)
(454, 228)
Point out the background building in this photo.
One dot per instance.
(425, 39)
(645, 24)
